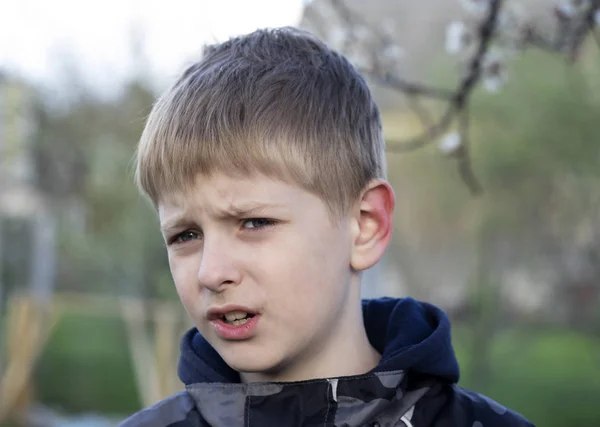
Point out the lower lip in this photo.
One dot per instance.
(235, 332)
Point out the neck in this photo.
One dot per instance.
(344, 351)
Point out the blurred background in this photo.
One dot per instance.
(89, 319)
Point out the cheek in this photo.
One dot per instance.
(312, 275)
(184, 273)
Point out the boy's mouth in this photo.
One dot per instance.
(236, 318)
(234, 323)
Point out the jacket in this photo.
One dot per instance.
(414, 385)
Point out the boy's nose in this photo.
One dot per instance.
(217, 268)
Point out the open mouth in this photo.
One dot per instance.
(236, 318)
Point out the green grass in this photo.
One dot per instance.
(86, 367)
(550, 376)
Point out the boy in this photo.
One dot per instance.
(266, 164)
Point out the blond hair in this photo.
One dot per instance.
(277, 102)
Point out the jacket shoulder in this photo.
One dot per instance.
(447, 405)
(173, 411)
(487, 412)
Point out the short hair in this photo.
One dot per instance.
(277, 102)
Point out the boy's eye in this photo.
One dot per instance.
(254, 223)
(186, 236)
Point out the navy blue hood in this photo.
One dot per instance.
(410, 335)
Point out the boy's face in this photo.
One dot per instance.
(262, 246)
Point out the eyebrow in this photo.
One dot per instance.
(242, 210)
(246, 209)
(175, 221)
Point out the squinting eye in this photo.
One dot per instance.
(254, 223)
(186, 236)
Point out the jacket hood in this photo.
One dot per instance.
(412, 385)
(410, 335)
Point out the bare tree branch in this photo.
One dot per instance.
(573, 29)
(535, 39)
(465, 165)
(459, 98)
(574, 25)
(429, 135)
(409, 88)
(486, 31)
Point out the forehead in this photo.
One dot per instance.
(221, 193)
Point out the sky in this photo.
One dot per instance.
(36, 36)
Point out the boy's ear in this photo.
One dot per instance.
(373, 224)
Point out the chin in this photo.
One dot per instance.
(251, 362)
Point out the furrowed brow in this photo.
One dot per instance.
(247, 210)
(232, 211)
(175, 222)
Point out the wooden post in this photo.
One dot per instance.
(142, 356)
(153, 354)
(30, 319)
(28, 329)
(166, 325)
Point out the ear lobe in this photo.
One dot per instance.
(374, 222)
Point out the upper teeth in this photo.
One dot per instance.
(235, 315)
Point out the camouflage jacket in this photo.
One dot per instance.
(413, 386)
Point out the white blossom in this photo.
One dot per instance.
(458, 37)
(493, 84)
(450, 142)
(494, 73)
